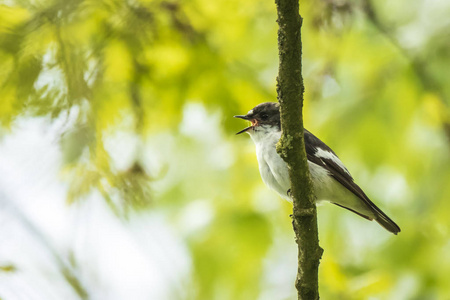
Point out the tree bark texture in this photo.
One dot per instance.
(291, 148)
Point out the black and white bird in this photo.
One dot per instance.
(331, 180)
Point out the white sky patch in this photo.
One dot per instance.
(196, 215)
(205, 127)
(391, 187)
(122, 147)
(265, 201)
(50, 76)
(330, 87)
(198, 123)
(139, 259)
(279, 269)
(161, 157)
(128, 260)
(407, 287)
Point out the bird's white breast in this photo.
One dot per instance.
(274, 171)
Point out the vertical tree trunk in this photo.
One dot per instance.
(291, 148)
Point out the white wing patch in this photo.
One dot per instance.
(328, 155)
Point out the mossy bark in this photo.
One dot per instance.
(291, 148)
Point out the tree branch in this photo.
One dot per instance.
(291, 148)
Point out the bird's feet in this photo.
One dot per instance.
(289, 193)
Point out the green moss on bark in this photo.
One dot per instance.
(291, 148)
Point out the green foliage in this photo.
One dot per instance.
(109, 66)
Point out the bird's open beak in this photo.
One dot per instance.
(247, 118)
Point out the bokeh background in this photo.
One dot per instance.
(121, 176)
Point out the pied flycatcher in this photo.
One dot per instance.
(331, 180)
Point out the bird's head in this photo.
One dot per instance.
(263, 116)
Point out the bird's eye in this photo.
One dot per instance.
(264, 117)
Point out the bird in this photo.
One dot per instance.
(332, 182)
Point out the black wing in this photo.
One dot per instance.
(341, 174)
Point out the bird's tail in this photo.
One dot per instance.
(380, 216)
(385, 221)
(375, 214)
